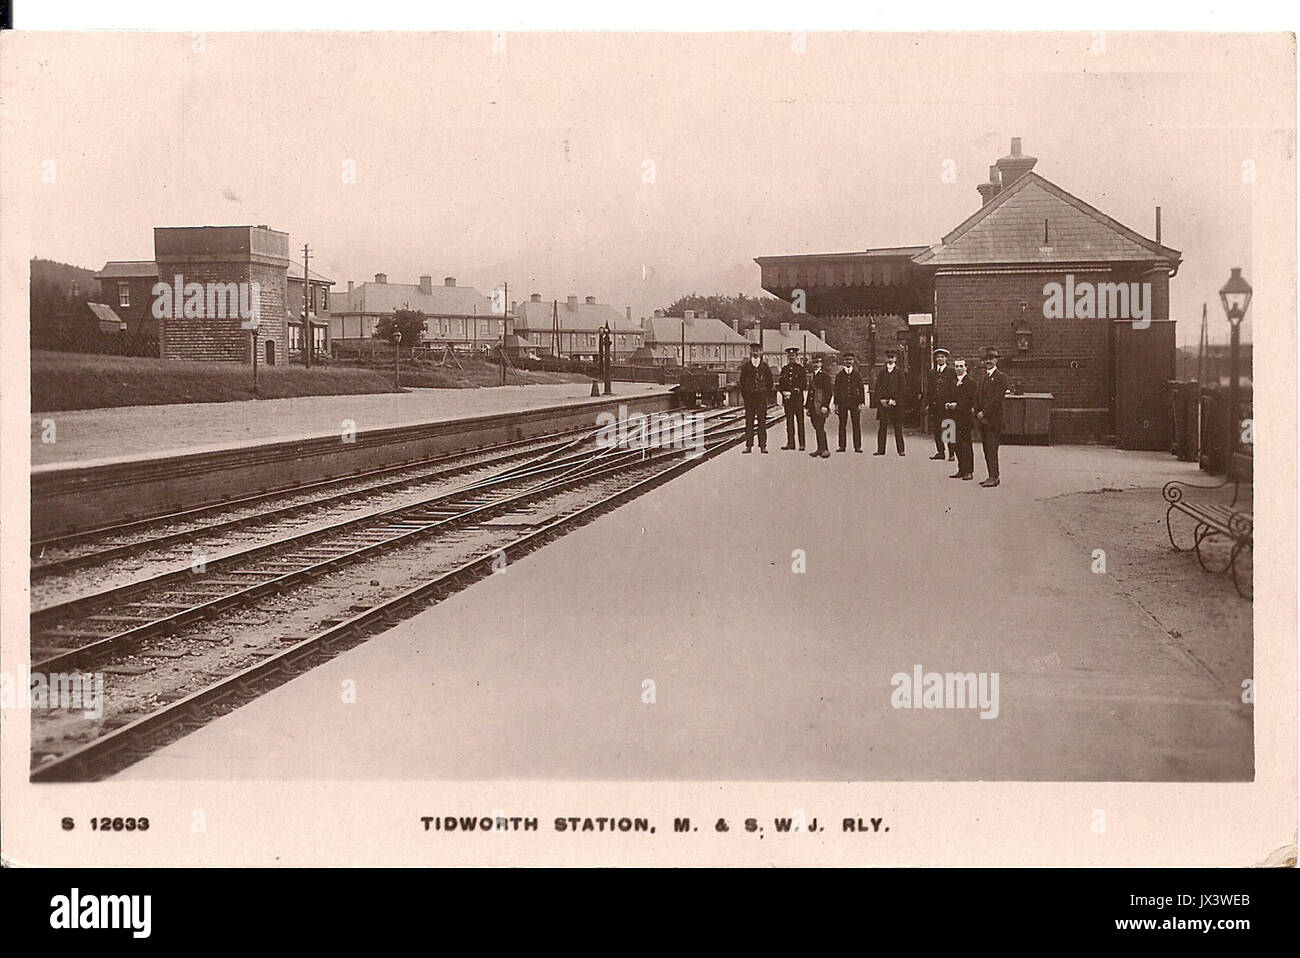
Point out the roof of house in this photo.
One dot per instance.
(128, 269)
(701, 329)
(1010, 229)
(295, 272)
(390, 297)
(582, 317)
(777, 340)
(104, 313)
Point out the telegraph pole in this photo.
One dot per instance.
(306, 308)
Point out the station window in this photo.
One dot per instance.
(123, 294)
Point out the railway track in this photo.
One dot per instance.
(513, 513)
(69, 557)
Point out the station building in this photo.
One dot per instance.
(1103, 347)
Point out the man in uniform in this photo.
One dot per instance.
(793, 382)
(958, 409)
(992, 386)
(850, 397)
(820, 392)
(756, 391)
(891, 388)
(938, 394)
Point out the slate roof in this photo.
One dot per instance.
(389, 297)
(582, 317)
(1009, 229)
(776, 341)
(128, 269)
(703, 329)
(108, 319)
(295, 272)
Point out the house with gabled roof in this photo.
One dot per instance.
(1076, 302)
(459, 317)
(691, 339)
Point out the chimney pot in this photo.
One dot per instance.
(1015, 165)
(449, 281)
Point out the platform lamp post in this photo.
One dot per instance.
(397, 359)
(606, 341)
(1235, 296)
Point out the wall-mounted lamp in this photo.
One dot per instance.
(1024, 337)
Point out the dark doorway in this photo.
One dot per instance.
(270, 352)
(1144, 365)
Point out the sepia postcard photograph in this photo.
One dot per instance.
(739, 446)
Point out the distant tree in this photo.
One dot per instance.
(410, 322)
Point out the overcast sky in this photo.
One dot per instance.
(531, 164)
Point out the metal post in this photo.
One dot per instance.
(397, 360)
(306, 308)
(1234, 422)
(254, 363)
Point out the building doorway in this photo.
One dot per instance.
(270, 352)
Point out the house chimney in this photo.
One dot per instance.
(754, 334)
(535, 298)
(735, 324)
(349, 287)
(591, 300)
(1015, 164)
(822, 335)
(785, 329)
(514, 306)
(573, 304)
(381, 278)
(660, 313)
(992, 188)
(1157, 226)
(426, 285)
(449, 281)
(628, 311)
(689, 316)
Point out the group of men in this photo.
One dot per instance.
(955, 401)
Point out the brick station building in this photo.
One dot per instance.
(986, 283)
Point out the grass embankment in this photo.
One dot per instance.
(86, 381)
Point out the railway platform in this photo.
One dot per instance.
(94, 436)
(676, 638)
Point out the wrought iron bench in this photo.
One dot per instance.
(1214, 521)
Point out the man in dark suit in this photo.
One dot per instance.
(938, 394)
(959, 412)
(891, 390)
(793, 382)
(820, 392)
(992, 386)
(850, 397)
(756, 391)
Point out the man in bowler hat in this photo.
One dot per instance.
(891, 389)
(992, 386)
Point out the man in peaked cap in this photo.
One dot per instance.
(850, 397)
(989, 390)
(756, 390)
(938, 393)
(820, 392)
(891, 390)
(792, 384)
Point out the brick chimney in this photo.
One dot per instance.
(591, 300)
(689, 316)
(573, 304)
(381, 278)
(449, 281)
(628, 311)
(785, 329)
(535, 298)
(659, 313)
(426, 285)
(1015, 164)
(349, 287)
(992, 188)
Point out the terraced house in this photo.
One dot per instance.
(459, 317)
